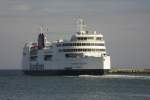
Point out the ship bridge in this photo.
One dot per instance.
(85, 42)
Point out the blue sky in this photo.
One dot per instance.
(125, 25)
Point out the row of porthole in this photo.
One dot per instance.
(81, 44)
(80, 50)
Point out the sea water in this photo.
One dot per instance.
(84, 87)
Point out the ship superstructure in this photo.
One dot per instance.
(84, 54)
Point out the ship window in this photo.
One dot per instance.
(79, 38)
(73, 55)
(98, 38)
(102, 50)
(85, 38)
(90, 38)
(82, 38)
(100, 44)
(80, 44)
(83, 44)
(48, 57)
(70, 56)
(33, 58)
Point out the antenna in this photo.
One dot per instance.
(41, 28)
(81, 25)
(46, 29)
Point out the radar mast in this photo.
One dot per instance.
(81, 26)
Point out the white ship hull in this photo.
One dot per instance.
(68, 66)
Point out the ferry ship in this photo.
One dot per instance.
(84, 54)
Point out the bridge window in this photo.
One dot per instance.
(85, 38)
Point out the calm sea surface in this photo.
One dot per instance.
(108, 87)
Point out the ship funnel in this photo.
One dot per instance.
(41, 41)
(42, 38)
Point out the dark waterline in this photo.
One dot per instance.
(9, 72)
(12, 72)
